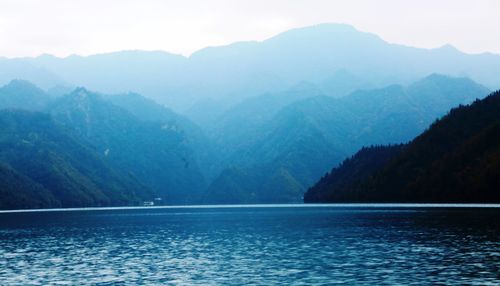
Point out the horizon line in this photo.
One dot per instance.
(188, 56)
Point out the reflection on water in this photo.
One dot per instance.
(264, 246)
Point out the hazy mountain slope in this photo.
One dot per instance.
(205, 112)
(22, 68)
(242, 124)
(390, 115)
(53, 168)
(146, 72)
(148, 110)
(231, 73)
(456, 160)
(19, 94)
(156, 153)
(263, 184)
(342, 83)
(315, 53)
(307, 137)
(397, 114)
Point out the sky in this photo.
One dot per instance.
(84, 27)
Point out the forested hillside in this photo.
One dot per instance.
(456, 160)
(281, 156)
(45, 165)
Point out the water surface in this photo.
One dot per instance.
(271, 245)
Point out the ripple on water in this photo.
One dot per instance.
(261, 246)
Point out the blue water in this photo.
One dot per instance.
(287, 245)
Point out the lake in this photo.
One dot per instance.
(258, 245)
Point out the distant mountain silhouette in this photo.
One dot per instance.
(336, 57)
(457, 160)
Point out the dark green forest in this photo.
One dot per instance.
(457, 160)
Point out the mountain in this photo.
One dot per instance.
(141, 148)
(22, 68)
(351, 171)
(457, 160)
(158, 154)
(338, 58)
(302, 140)
(262, 184)
(44, 165)
(159, 75)
(20, 94)
(241, 124)
(18, 191)
(266, 149)
(147, 110)
(342, 83)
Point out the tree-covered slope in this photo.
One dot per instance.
(18, 191)
(352, 171)
(306, 137)
(456, 160)
(157, 153)
(44, 165)
(195, 139)
(20, 94)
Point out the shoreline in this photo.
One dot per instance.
(229, 206)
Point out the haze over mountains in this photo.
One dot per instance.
(335, 57)
(293, 148)
(252, 122)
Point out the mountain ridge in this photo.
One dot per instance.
(306, 137)
(456, 160)
(46, 158)
(256, 67)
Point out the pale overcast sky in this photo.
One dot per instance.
(63, 27)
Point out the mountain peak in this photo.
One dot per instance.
(22, 94)
(326, 30)
(80, 98)
(448, 48)
(19, 86)
(81, 91)
(462, 89)
(20, 83)
(439, 79)
(46, 56)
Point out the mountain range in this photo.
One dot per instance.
(45, 165)
(283, 152)
(82, 144)
(457, 160)
(251, 122)
(268, 149)
(337, 58)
